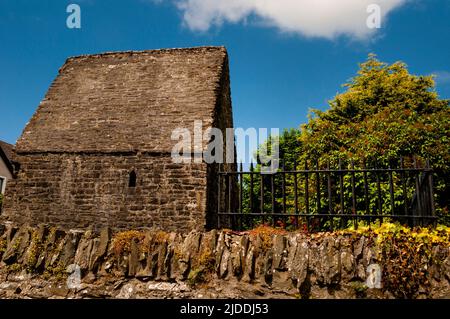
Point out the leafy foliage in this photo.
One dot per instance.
(122, 241)
(405, 254)
(385, 113)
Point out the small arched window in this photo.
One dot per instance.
(132, 179)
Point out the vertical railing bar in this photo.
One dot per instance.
(366, 192)
(232, 218)
(318, 187)
(330, 204)
(391, 191)
(283, 186)
(296, 193)
(355, 220)
(430, 185)
(341, 192)
(318, 197)
(219, 191)
(262, 196)
(306, 188)
(272, 188)
(229, 192)
(251, 193)
(295, 187)
(380, 203)
(241, 191)
(251, 189)
(307, 193)
(405, 193)
(419, 200)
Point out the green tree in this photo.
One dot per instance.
(385, 113)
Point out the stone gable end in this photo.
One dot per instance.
(108, 116)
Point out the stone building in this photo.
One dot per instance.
(98, 149)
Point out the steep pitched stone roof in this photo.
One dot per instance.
(126, 101)
(7, 155)
(7, 149)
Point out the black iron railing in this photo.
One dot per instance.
(319, 197)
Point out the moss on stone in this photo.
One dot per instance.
(34, 252)
(2, 245)
(14, 268)
(122, 241)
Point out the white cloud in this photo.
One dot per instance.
(312, 18)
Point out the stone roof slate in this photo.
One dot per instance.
(126, 101)
(8, 150)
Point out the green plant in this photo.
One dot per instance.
(160, 237)
(33, 252)
(202, 268)
(405, 253)
(359, 287)
(266, 234)
(57, 272)
(14, 268)
(2, 246)
(122, 241)
(196, 276)
(207, 261)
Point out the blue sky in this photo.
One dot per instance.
(280, 65)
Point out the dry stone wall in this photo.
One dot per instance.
(48, 262)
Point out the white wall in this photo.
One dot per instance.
(4, 172)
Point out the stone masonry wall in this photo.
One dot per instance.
(48, 262)
(106, 115)
(223, 119)
(78, 190)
